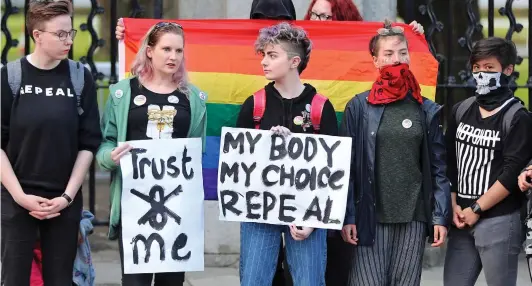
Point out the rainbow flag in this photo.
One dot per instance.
(221, 61)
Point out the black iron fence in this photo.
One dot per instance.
(452, 85)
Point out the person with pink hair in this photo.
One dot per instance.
(158, 102)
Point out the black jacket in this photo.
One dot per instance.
(361, 121)
(273, 9)
(281, 111)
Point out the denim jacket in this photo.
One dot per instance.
(360, 122)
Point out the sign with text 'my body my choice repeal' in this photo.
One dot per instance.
(298, 179)
(162, 206)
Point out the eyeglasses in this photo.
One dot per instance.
(391, 31)
(62, 35)
(321, 17)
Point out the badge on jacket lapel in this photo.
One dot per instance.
(202, 95)
(119, 93)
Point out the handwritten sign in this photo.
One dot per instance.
(299, 179)
(162, 206)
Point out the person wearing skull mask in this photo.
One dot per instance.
(488, 139)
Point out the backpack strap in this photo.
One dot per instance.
(259, 106)
(509, 116)
(77, 77)
(14, 76)
(316, 110)
(463, 107)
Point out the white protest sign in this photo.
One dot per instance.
(162, 206)
(299, 179)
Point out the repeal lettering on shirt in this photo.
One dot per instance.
(47, 91)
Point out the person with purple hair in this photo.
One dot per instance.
(286, 52)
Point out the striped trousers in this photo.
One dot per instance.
(395, 259)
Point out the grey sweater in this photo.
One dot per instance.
(398, 164)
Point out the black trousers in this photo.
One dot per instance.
(58, 238)
(339, 255)
(145, 279)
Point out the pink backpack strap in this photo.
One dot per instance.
(316, 110)
(259, 106)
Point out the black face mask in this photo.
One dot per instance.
(492, 89)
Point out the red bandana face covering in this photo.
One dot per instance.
(393, 84)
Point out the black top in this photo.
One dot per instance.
(398, 163)
(479, 155)
(42, 131)
(157, 116)
(282, 111)
(272, 9)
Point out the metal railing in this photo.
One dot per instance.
(448, 82)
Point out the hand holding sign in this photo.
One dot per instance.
(300, 233)
(120, 151)
(281, 130)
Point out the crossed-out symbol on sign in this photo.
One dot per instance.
(157, 206)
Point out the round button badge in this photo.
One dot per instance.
(173, 99)
(139, 100)
(407, 123)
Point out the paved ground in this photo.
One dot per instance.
(107, 266)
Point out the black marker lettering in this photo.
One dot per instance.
(265, 172)
(295, 142)
(287, 175)
(230, 172)
(157, 175)
(170, 166)
(313, 210)
(185, 160)
(179, 243)
(135, 158)
(283, 208)
(302, 179)
(157, 206)
(329, 150)
(310, 142)
(334, 178)
(248, 171)
(251, 207)
(276, 147)
(230, 140)
(252, 141)
(324, 171)
(231, 204)
(267, 207)
(147, 245)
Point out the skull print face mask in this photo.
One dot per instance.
(492, 89)
(487, 81)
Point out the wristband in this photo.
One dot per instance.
(68, 198)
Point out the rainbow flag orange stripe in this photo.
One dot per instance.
(221, 61)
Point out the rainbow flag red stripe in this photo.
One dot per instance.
(221, 61)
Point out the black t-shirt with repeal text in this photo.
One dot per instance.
(479, 155)
(42, 131)
(157, 116)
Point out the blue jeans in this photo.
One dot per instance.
(259, 249)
